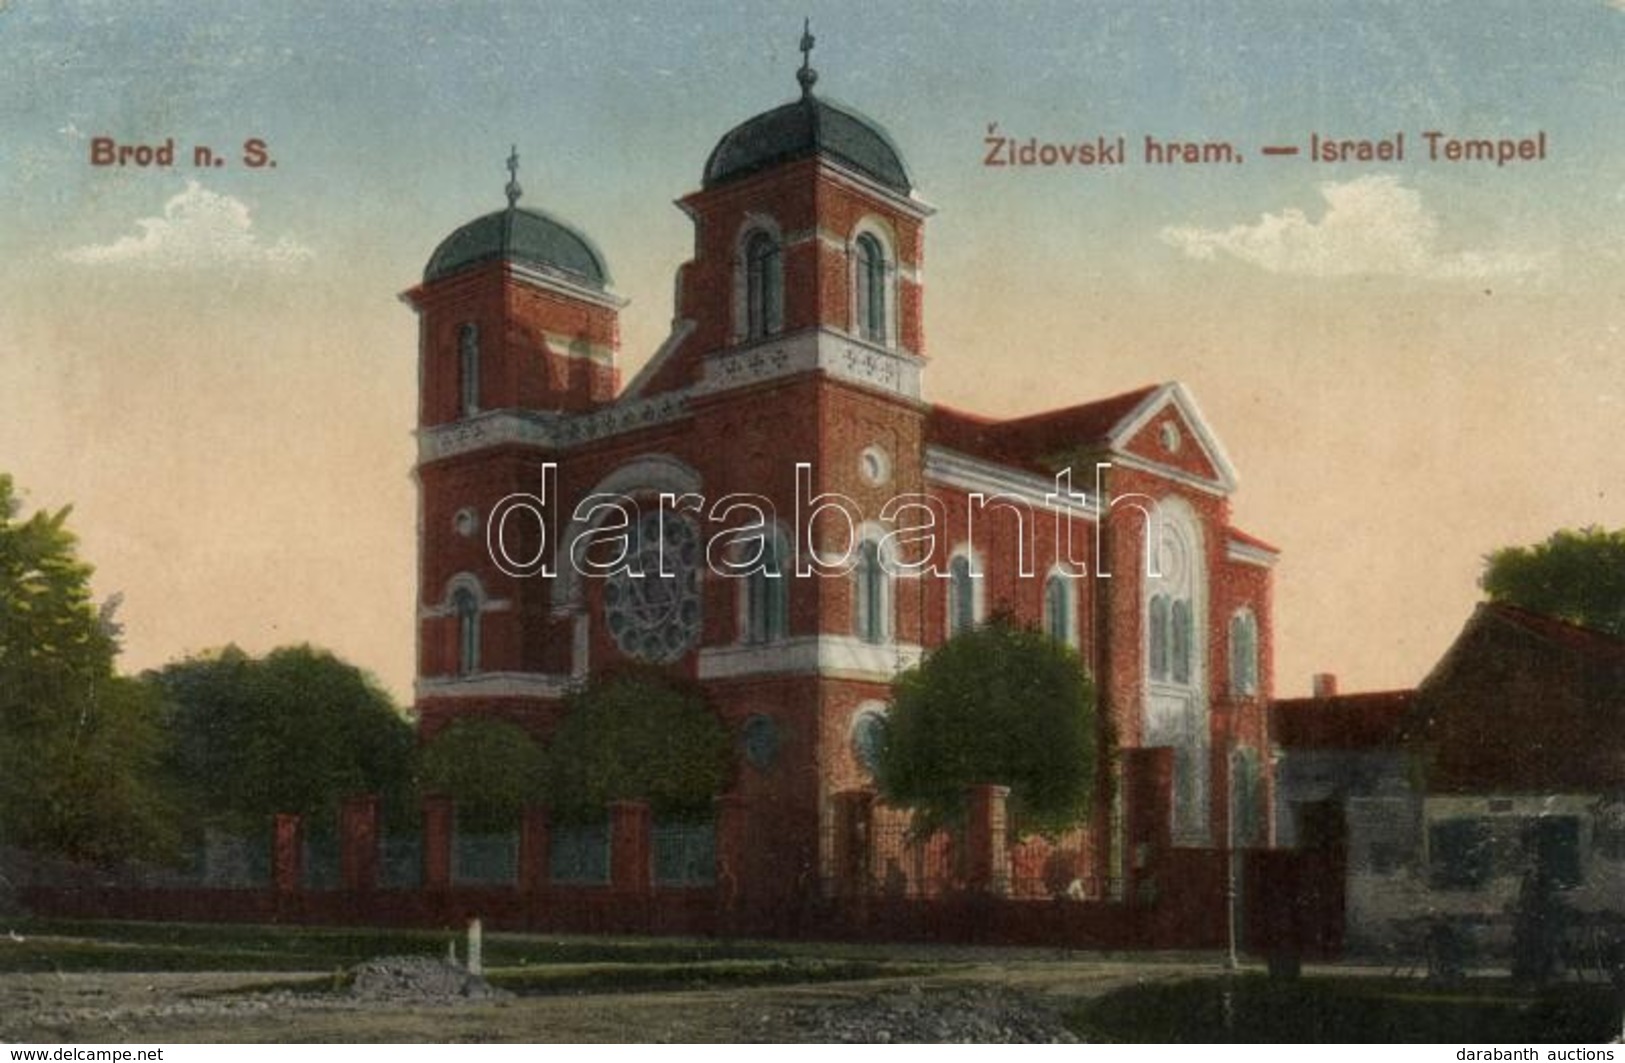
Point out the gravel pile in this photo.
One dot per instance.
(956, 1016)
(418, 980)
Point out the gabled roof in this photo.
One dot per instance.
(1028, 441)
(1523, 702)
(1575, 638)
(1038, 441)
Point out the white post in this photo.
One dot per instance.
(476, 949)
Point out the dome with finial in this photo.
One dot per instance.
(527, 237)
(807, 127)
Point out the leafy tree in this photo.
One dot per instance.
(1003, 703)
(637, 734)
(1577, 576)
(78, 745)
(492, 769)
(296, 731)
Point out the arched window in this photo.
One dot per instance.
(871, 592)
(767, 596)
(468, 368)
(869, 735)
(961, 596)
(1058, 608)
(764, 287)
(1179, 642)
(467, 608)
(1243, 654)
(871, 289)
(1157, 621)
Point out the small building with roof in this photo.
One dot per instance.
(1505, 766)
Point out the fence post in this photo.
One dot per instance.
(438, 812)
(630, 856)
(854, 835)
(534, 849)
(1148, 825)
(358, 843)
(986, 840)
(731, 846)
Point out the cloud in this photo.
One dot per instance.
(199, 229)
(1372, 225)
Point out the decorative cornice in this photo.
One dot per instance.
(1168, 472)
(835, 354)
(827, 656)
(562, 285)
(1248, 554)
(494, 685)
(915, 208)
(553, 431)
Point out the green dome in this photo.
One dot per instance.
(801, 129)
(525, 236)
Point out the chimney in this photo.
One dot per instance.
(1325, 685)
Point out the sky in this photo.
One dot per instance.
(1411, 362)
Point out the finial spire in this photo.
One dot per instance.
(513, 189)
(807, 75)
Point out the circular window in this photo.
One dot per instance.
(655, 614)
(760, 739)
(868, 738)
(874, 466)
(1171, 438)
(466, 522)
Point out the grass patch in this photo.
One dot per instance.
(1251, 1008)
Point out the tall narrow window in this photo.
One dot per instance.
(767, 600)
(1179, 642)
(871, 294)
(467, 608)
(1243, 655)
(1157, 621)
(764, 287)
(871, 593)
(1058, 608)
(468, 367)
(961, 596)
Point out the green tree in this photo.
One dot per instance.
(491, 768)
(79, 745)
(1002, 703)
(296, 731)
(637, 734)
(1578, 576)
